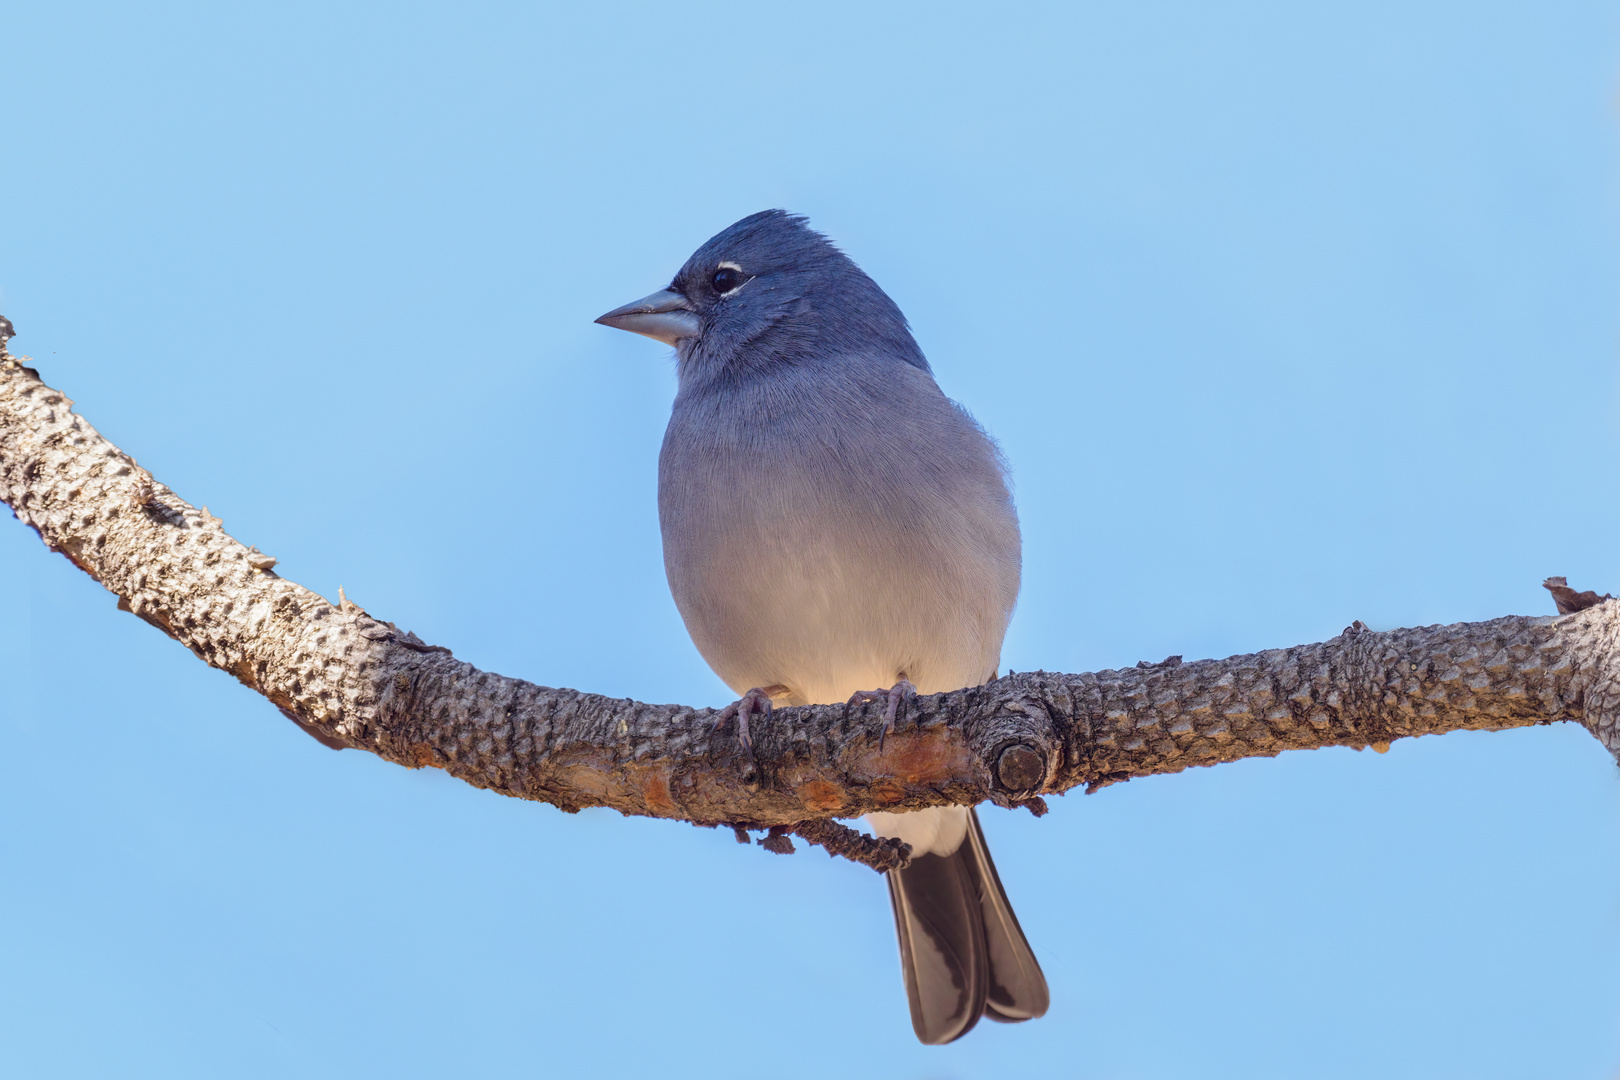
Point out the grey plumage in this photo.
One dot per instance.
(833, 523)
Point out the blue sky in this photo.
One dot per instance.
(1285, 315)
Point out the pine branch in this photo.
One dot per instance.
(353, 680)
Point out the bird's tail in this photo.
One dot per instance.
(961, 948)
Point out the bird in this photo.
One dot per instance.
(832, 522)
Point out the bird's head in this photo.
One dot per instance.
(766, 291)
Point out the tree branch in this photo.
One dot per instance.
(355, 681)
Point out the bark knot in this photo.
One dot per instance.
(1020, 769)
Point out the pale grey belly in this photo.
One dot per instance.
(826, 611)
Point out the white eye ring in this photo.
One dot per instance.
(728, 265)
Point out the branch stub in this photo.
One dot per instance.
(1020, 769)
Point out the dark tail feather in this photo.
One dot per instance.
(1017, 987)
(962, 951)
(942, 948)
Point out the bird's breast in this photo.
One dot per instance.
(832, 542)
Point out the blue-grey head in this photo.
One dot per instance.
(769, 291)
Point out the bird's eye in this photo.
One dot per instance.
(727, 278)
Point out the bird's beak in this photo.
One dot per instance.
(666, 316)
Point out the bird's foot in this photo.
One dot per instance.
(900, 692)
(757, 702)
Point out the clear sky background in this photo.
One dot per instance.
(1285, 314)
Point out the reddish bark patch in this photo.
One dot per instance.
(924, 761)
(422, 757)
(655, 794)
(820, 795)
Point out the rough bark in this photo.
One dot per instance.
(356, 681)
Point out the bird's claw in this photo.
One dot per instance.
(757, 702)
(894, 695)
